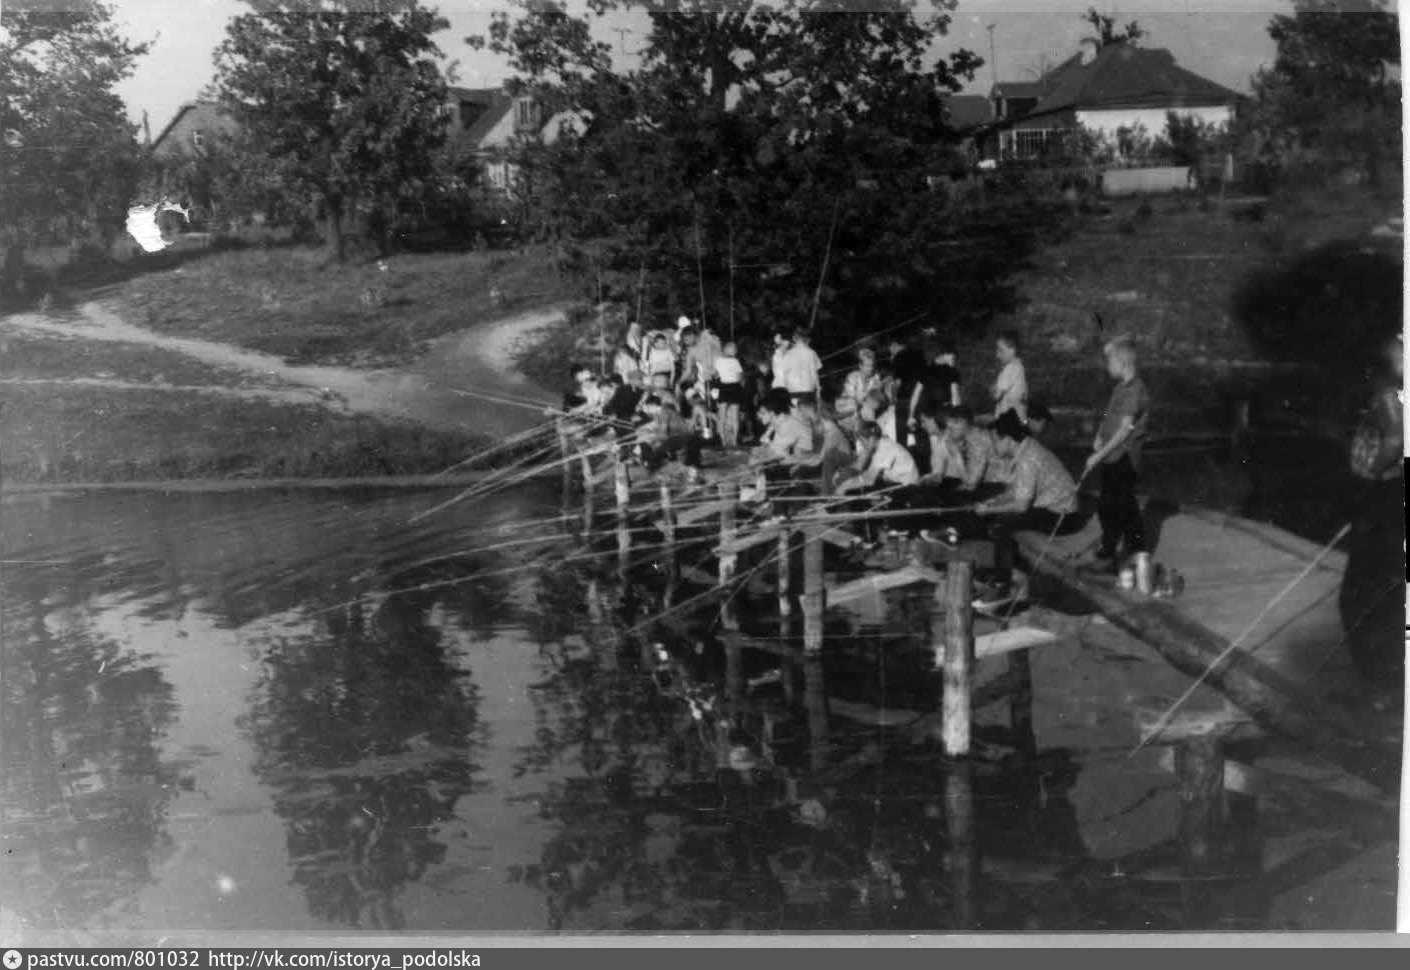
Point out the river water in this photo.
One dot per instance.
(286, 710)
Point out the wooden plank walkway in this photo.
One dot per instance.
(1286, 669)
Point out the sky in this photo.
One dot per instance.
(1224, 40)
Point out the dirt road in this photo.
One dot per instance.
(444, 389)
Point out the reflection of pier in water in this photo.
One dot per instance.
(803, 684)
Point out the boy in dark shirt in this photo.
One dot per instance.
(1116, 450)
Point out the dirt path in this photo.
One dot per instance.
(438, 391)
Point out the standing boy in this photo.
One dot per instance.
(1117, 452)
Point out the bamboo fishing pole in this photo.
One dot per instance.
(827, 256)
(1164, 721)
(699, 268)
(731, 281)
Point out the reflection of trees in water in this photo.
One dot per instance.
(85, 789)
(365, 737)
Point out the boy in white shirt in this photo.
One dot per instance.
(801, 365)
(1011, 387)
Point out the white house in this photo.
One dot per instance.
(1109, 90)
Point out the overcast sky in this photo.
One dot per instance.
(1224, 40)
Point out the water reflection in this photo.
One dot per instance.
(85, 787)
(438, 730)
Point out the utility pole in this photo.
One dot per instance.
(622, 33)
(993, 57)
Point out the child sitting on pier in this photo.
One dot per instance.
(884, 466)
(832, 449)
(666, 436)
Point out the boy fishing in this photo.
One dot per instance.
(1116, 451)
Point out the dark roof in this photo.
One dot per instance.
(965, 111)
(210, 106)
(1020, 89)
(496, 103)
(1124, 76)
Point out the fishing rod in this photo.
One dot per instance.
(1164, 721)
(699, 267)
(516, 439)
(827, 256)
(872, 336)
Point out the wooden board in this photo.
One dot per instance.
(744, 543)
(877, 583)
(869, 714)
(1007, 641)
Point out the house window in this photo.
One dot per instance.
(526, 113)
(198, 139)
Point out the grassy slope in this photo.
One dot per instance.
(95, 435)
(292, 302)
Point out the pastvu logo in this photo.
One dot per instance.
(13, 959)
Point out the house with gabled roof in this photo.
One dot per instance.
(192, 129)
(1107, 90)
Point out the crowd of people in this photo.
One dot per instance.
(892, 428)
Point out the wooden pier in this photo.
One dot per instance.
(794, 555)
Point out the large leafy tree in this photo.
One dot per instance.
(69, 158)
(755, 151)
(1107, 30)
(1331, 99)
(346, 100)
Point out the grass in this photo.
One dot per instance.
(83, 434)
(28, 356)
(292, 302)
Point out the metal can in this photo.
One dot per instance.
(1126, 578)
(1145, 573)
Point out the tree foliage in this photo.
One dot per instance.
(69, 159)
(1107, 31)
(1330, 102)
(346, 101)
(752, 146)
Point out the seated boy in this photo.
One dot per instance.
(666, 435)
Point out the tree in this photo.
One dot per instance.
(1329, 102)
(1107, 31)
(69, 159)
(345, 99)
(754, 146)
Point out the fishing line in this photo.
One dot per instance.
(1164, 721)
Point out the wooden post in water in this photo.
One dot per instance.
(734, 672)
(622, 487)
(958, 661)
(814, 592)
(728, 560)
(1199, 765)
(1021, 703)
(565, 454)
(668, 517)
(785, 571)
(962, 847)
(815, 699)
(585, 461)
(668, 530)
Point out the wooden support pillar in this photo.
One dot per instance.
(600, 634)
(1199, 765)
(565, 454)
(734, 671)
(962, 845)
(785, 572)
(722, 743)
(668, 516)
(814, 592)
(1021, 703)
(958, 663)
(728, 561)
(815, 699)
(585, 462)
(622, 488)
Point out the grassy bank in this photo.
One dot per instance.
(292, 302)
(84, 434)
